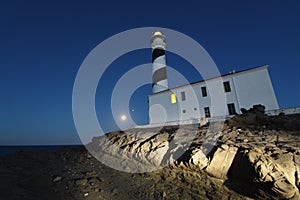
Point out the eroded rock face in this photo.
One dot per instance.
(221, 161)
(248, 154)
(198, 158)
(144, 150)
(297, 173)
(269, 171)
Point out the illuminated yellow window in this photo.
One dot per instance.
(173, 98)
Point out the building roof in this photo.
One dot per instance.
(224, 75)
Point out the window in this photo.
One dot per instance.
(195, 109)
(206, 112)
(231, 109)
(183, 111)
(204, 92)
(227, 86)
(173, 98)
(182, 96)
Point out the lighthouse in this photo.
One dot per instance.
(159, 69)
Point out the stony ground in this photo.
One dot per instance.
(252, 156)
(75, 174)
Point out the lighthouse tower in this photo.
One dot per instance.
(159, 69)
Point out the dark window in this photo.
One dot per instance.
(195, 109)
(227, 86)
(231, 109)
(183, 96)
(206, 111)
(183, 111)
(204, 92)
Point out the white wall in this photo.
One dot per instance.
(247, 89)
(255, 87)
(161, 109)
(189, 108)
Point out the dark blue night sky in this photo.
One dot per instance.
(43, 43)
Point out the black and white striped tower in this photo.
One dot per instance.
(159, 69)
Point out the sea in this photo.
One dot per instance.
(7, 150)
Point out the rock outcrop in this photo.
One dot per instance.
(221, 161)
(253, 156)
(255, 117)
(253, 151)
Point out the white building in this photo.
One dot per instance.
(241, 89)
(216, 97)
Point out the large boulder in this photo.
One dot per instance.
(221, 161)
(255, 116)
(259, 108)
(268, 171)
(199, 159)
